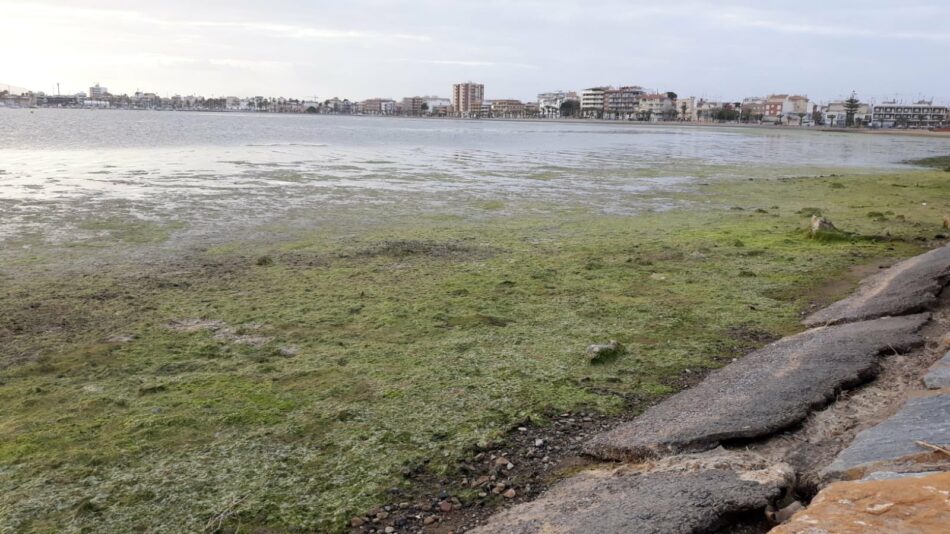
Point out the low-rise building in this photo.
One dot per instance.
(835, 114)
(655, 107)
(507, 109)
(549, 104)
(414, 106)
(922, 114)
(378, 106)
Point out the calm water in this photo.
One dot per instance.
(211, 172)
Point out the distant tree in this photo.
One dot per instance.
(831, 119)
(570, 108)
(683, 108)
(424, 107)
(671, 95)
(851, 106)
(816, 117)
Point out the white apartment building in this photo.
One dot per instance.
(549, 104)
(835, 114)
(922, 114)
(467, 99)
(592, 102)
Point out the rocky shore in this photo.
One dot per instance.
(842, 428)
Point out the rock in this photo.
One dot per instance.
(822, 227)
(599, 352)
(382, 515)
(357, 522)
(762, 393)
(539, 443)
(784, 514)
(480, 481)
(621, 501)
(429, 519)
(911, 285)
(288, 351)
(938, 376)
(892, 442)
(903, 505)
(510, 494)
(501, 461)
(445, 506)
(390, 530)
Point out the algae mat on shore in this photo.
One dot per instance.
(288, 385)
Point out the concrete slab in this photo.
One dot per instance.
(893, 441)
(910, 286)
(906, 505)
(938, 376)
(621, 502)
(766, 391)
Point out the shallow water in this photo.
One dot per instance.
(214, 172)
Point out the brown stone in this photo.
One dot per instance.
(445, 506)
(357, 522)
(896, 506)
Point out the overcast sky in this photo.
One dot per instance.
(395, 48)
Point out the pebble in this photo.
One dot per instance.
(390, 530)
(501, 461)
(510, 494)
(357, 522)
(429, 520)
(522, 429)
(510, 466)
(538, 442)
(445, 506)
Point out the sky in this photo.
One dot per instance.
(360, 49)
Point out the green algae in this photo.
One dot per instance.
(413, 340)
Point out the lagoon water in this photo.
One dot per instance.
(214, 171)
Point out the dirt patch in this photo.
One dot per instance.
(539, 454)
(434, 249)
(242, 335)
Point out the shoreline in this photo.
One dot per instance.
(608, 122)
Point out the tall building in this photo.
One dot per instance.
(98, 93)
(467, 98)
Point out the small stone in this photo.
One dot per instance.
(429, 519)
(357, 522)
(510, 494)
(510, 466)
(482, 494)
(480, 481)
(538, 442)
(598, 352)
(288, 351)
(390, 530)
(501, 461)
(445, 506)
(382, 515)
(500, 487)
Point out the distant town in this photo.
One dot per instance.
(625, 103)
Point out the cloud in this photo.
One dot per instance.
(749, 20)
(466, 63)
